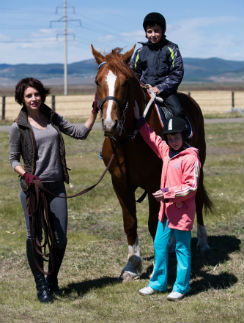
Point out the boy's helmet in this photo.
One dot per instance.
(154, 18)
(175, 125)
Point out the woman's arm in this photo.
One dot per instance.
(91, 120)
(79, 131)
(15, 150)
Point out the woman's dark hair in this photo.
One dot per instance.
(23, 84)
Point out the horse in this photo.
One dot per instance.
(135, 164)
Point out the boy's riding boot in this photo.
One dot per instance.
(43, 293)
(52, 279)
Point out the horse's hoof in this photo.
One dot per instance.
(128, 276)
(203, 249)
(136, 263)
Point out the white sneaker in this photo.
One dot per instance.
(175, 296)
(148, 291)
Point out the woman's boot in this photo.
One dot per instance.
(43, 292)
(52, 279)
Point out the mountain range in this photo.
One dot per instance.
(83, 72)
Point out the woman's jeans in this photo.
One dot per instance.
(58, 208)
(163, 236)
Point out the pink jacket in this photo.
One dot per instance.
(179, 179)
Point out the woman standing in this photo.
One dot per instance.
(36, 137)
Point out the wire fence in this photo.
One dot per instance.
(79, 106)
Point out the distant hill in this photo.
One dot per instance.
(83, 72)
(213, 70)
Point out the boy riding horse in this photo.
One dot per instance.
(159, 63)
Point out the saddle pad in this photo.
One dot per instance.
(163, 113)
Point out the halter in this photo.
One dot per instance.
(122, 107)
(121, 122)
(101, 64)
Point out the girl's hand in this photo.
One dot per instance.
(159, 195)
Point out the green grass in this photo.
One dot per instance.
(97, 249)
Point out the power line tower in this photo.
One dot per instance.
(65, 21)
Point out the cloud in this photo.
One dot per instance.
(206, 37)
(44, 32)
(133, 35)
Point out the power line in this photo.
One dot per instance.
(65, 21)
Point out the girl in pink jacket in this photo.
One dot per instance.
(179, 181)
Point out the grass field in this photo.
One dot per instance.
(97, 249)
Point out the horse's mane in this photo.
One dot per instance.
(116, 64)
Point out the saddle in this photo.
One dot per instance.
(163, 113)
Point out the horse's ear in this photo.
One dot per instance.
(98, 56)
(127, 56)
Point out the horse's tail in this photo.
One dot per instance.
(207, 202)
(202, 199)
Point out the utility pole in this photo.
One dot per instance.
(65, 51)
(65, 20)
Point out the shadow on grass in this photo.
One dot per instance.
(203, 276)
(81, 288)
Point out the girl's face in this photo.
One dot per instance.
(175, 141)
(32, 99)
(154, 34)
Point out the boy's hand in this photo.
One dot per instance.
(155, 89)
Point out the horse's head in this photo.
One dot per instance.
(112, 81)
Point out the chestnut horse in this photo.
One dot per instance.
(135, 164)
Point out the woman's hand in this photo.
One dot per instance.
(29, 178)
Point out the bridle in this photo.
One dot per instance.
(122, 107)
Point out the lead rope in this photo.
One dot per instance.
(40, 221)
(40, 185)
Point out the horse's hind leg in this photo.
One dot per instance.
(127, 201)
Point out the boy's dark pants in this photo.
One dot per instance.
(173, 106)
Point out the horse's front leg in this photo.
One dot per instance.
(201, 198)
(126, 197)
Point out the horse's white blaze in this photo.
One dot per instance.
(110, 79)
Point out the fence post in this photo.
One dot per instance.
(53, 102)
(232, 100)
(3, 107)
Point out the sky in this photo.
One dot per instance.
(31, 31)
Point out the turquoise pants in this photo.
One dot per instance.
(158, 280)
